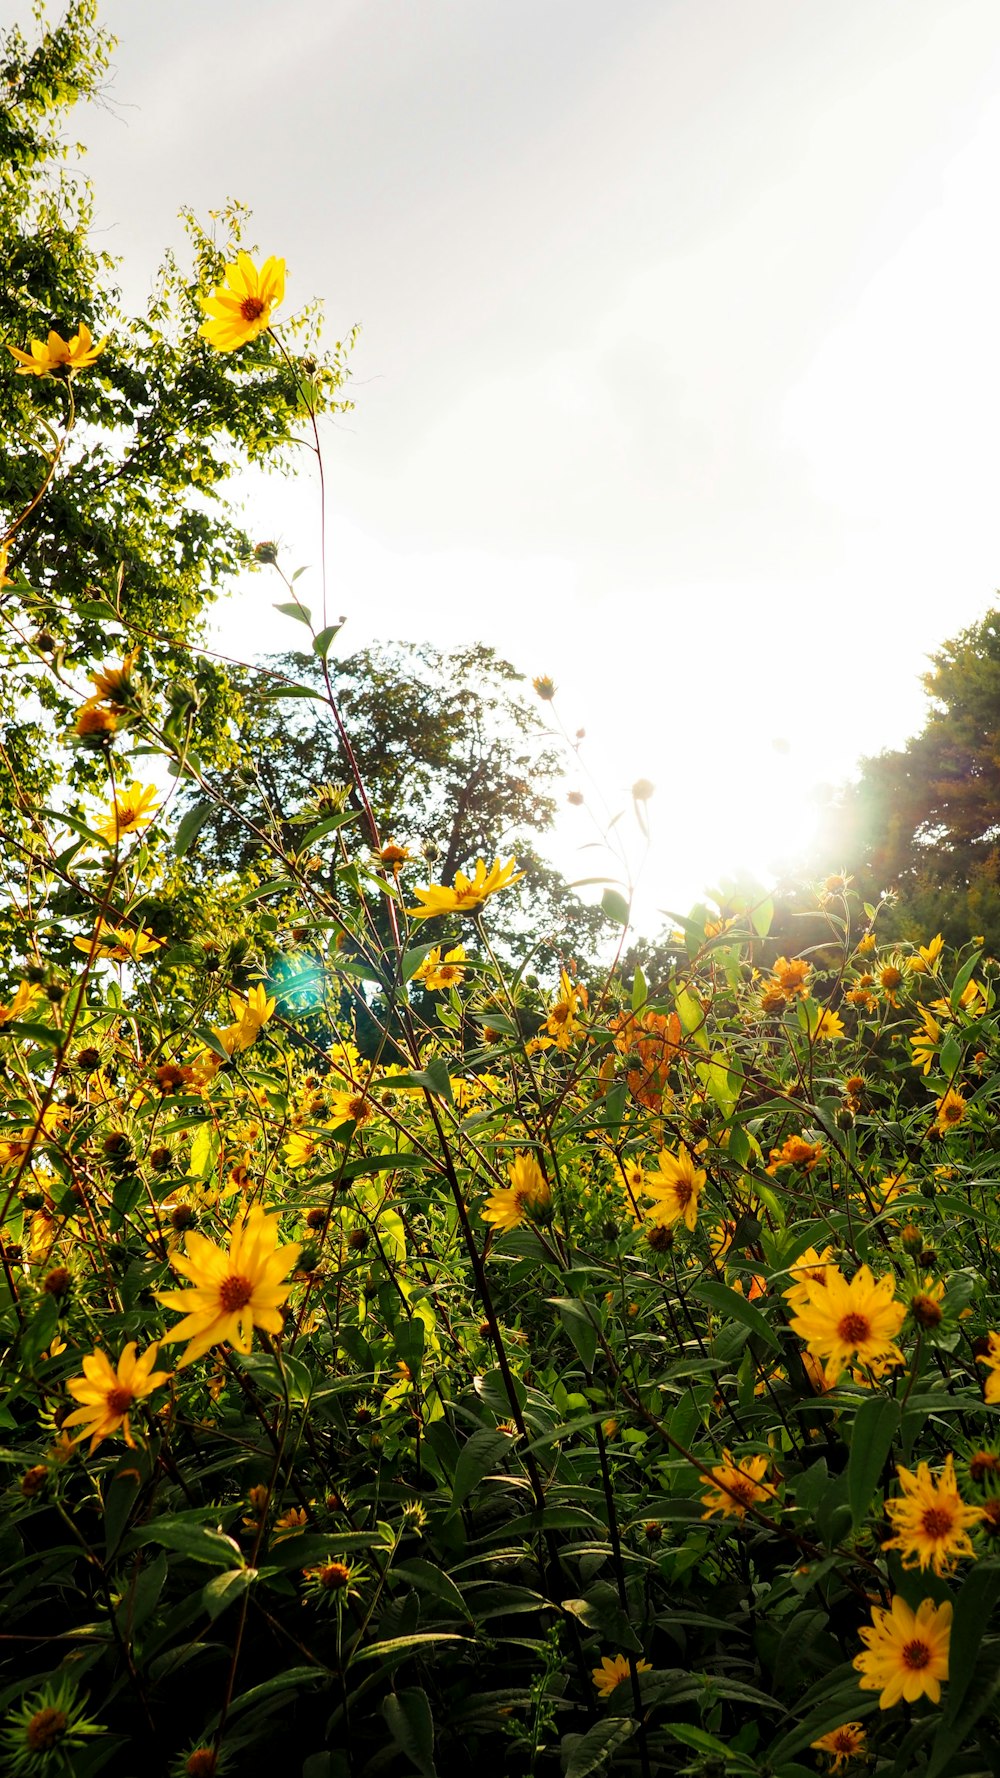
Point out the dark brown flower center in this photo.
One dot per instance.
(937, 1521)
(741, 1488)
(119, 1400)
(235, 1293)
(45, 1729)
(683, 1191)
(916, 1655)
(251, 308)
(854, 1329)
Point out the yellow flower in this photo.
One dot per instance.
(924, 1045)
(790, 977)
(561, 1022)
(866, 944)
(991, 1390)
(46, 357)
(234, 1291)
(251, 1016)
(612, 1670)
(674, 1188)
(131, 811)
(926, 957)
(354, 1103)
(843, 1320)
(121, 945)
(108, 1391)
(437, 975)
(95, 720)
(931, 1521)
(843, 1744)
(735, 1486)
(810, 1268)
(906, 1652)
(528, 1194)
(795, 1151)
(299, 1149)
(112, 685)
(468, 893)
(5, 579)
(241, 308)
(950, 1110)
(827, 1027)
(23, 999)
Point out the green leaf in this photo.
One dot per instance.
(190, 828)
(640, 992)
(278, 886)
(410, 1723)
(482, 1454)
(615, 906)
(198, 1542)
(290, 1680)
(736, 1308)
(224, 1589)
(301, 613)
(434, 1079)
(322, 642)
(401, 1645)
(432, 1579)
(580, 1324)
(875, 1425)
(584, 1754)
(40, 1329)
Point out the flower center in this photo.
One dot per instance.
(740, 1488)
(45, 1729)
(235, 1293)
(916, 1655)
(843, 1741)
(119, 1400)
(683, 1191)
(937, 1522)
(251, 308)
(953, 1113)
(854, 1329)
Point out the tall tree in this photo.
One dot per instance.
(923, 820)
(457, 766)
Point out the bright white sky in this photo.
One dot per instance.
(679, 377)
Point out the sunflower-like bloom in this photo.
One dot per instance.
(108, 1391)
(991, 1390)
(810, 1268)
(113, 685)
(47, 357)
(612, 1670)
(906, 1652)
(354, 1103)
(468, 893)
(736, 1486)
(790, 977)
(561, 1021)
(118, 943)
(924, 1044)
(847, 1742)
(827, 1028)
(131, 811)
(932, 1520)
(844, 1320)
(649, 1041)
(251, 1016)
(234, 1291)
(795, 1151)
(241, 308)
(5, 579)
(926, 957)
(93, 721)
(674, 1188)
(16, 1008)
(951, 1108)
(528, 1195)
(439, 974)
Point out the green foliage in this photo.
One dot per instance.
(922, 820)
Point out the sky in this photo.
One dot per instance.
(678, 373)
